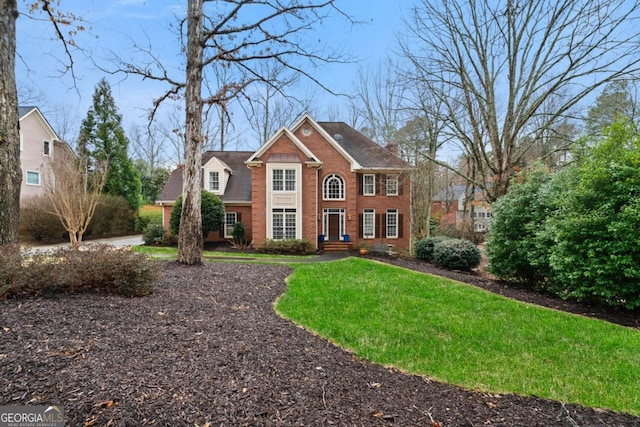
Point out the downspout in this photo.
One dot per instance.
(317, 213)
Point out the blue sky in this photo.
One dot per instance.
(116, 25)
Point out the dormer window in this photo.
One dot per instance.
(214, 181)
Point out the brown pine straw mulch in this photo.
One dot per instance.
(207, 349)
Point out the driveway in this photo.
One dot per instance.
(113, 241)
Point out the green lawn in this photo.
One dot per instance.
(163, 252)
(465, 336)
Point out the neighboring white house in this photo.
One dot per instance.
(38, 144)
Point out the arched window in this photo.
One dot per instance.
(333, 187)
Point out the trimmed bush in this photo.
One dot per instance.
(96, 268)
(288, 247)
(424, 247)
(211, 209)
(113, 215)
(153, 234)
(456, 254)
(36, 219)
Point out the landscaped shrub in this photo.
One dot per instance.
(211, 209)
(238, 233)
(516, 249)
(288, 247)
(424, 247)
(113, 215)
(99, 268)
(153, 234)
(36, 219)
(147, 216)
(456, 254)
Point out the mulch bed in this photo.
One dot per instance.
(207, 349)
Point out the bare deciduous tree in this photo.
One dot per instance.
(74, 193)
(378, 99)
(499, 61)
(237, 35)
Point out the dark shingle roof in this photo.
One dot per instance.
(238, 188)
(362, 149)
(22, 111)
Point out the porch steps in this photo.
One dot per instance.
(336, 246)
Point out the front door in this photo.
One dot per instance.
(334, 224)
(334, 227)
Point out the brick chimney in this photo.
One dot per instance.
(392, 147)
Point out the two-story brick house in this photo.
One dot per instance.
(321, 181)
(38, 144)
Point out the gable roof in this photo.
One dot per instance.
(27, 110)
(363, 150)
(454, 192)
(283, 131)
(238, 188)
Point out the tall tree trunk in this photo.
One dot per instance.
(190, 239)
(10, 172)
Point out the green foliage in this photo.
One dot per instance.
(152, 180)
(153, 234)
(238, 232)
(113, 215)
(288, 247)
(424, 247)
(102, 138)
(456, 254)
(515, 249)
(148, 216)
(36, 218)
(211, 209)
(98, 268)
(596, 255)
(577, 232)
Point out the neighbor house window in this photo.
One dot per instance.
(284, 179)
(229, 221)
(33, 178)
(369, 185)
(333, 188)
(369, 224)
(214, 181)
(46, 148)
(283, 224)
(392, 185)
(392, 223)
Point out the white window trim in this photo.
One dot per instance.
(392, 178)
(211, 182)
(372, 213)
(325, 192)
(364, 186)
(284, 212)
(390, 213)
(228, 228)
(37, 174)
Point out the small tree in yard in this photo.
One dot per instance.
(212, 212)
(74, 193)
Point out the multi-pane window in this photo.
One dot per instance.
(230, 220)
(33, 178)
(369, 224)
(283, 224)
(214, 181)
(333, 187)
(46, 148)
(369, 185)
(392, 185)
(284, 180)
(392, 223)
